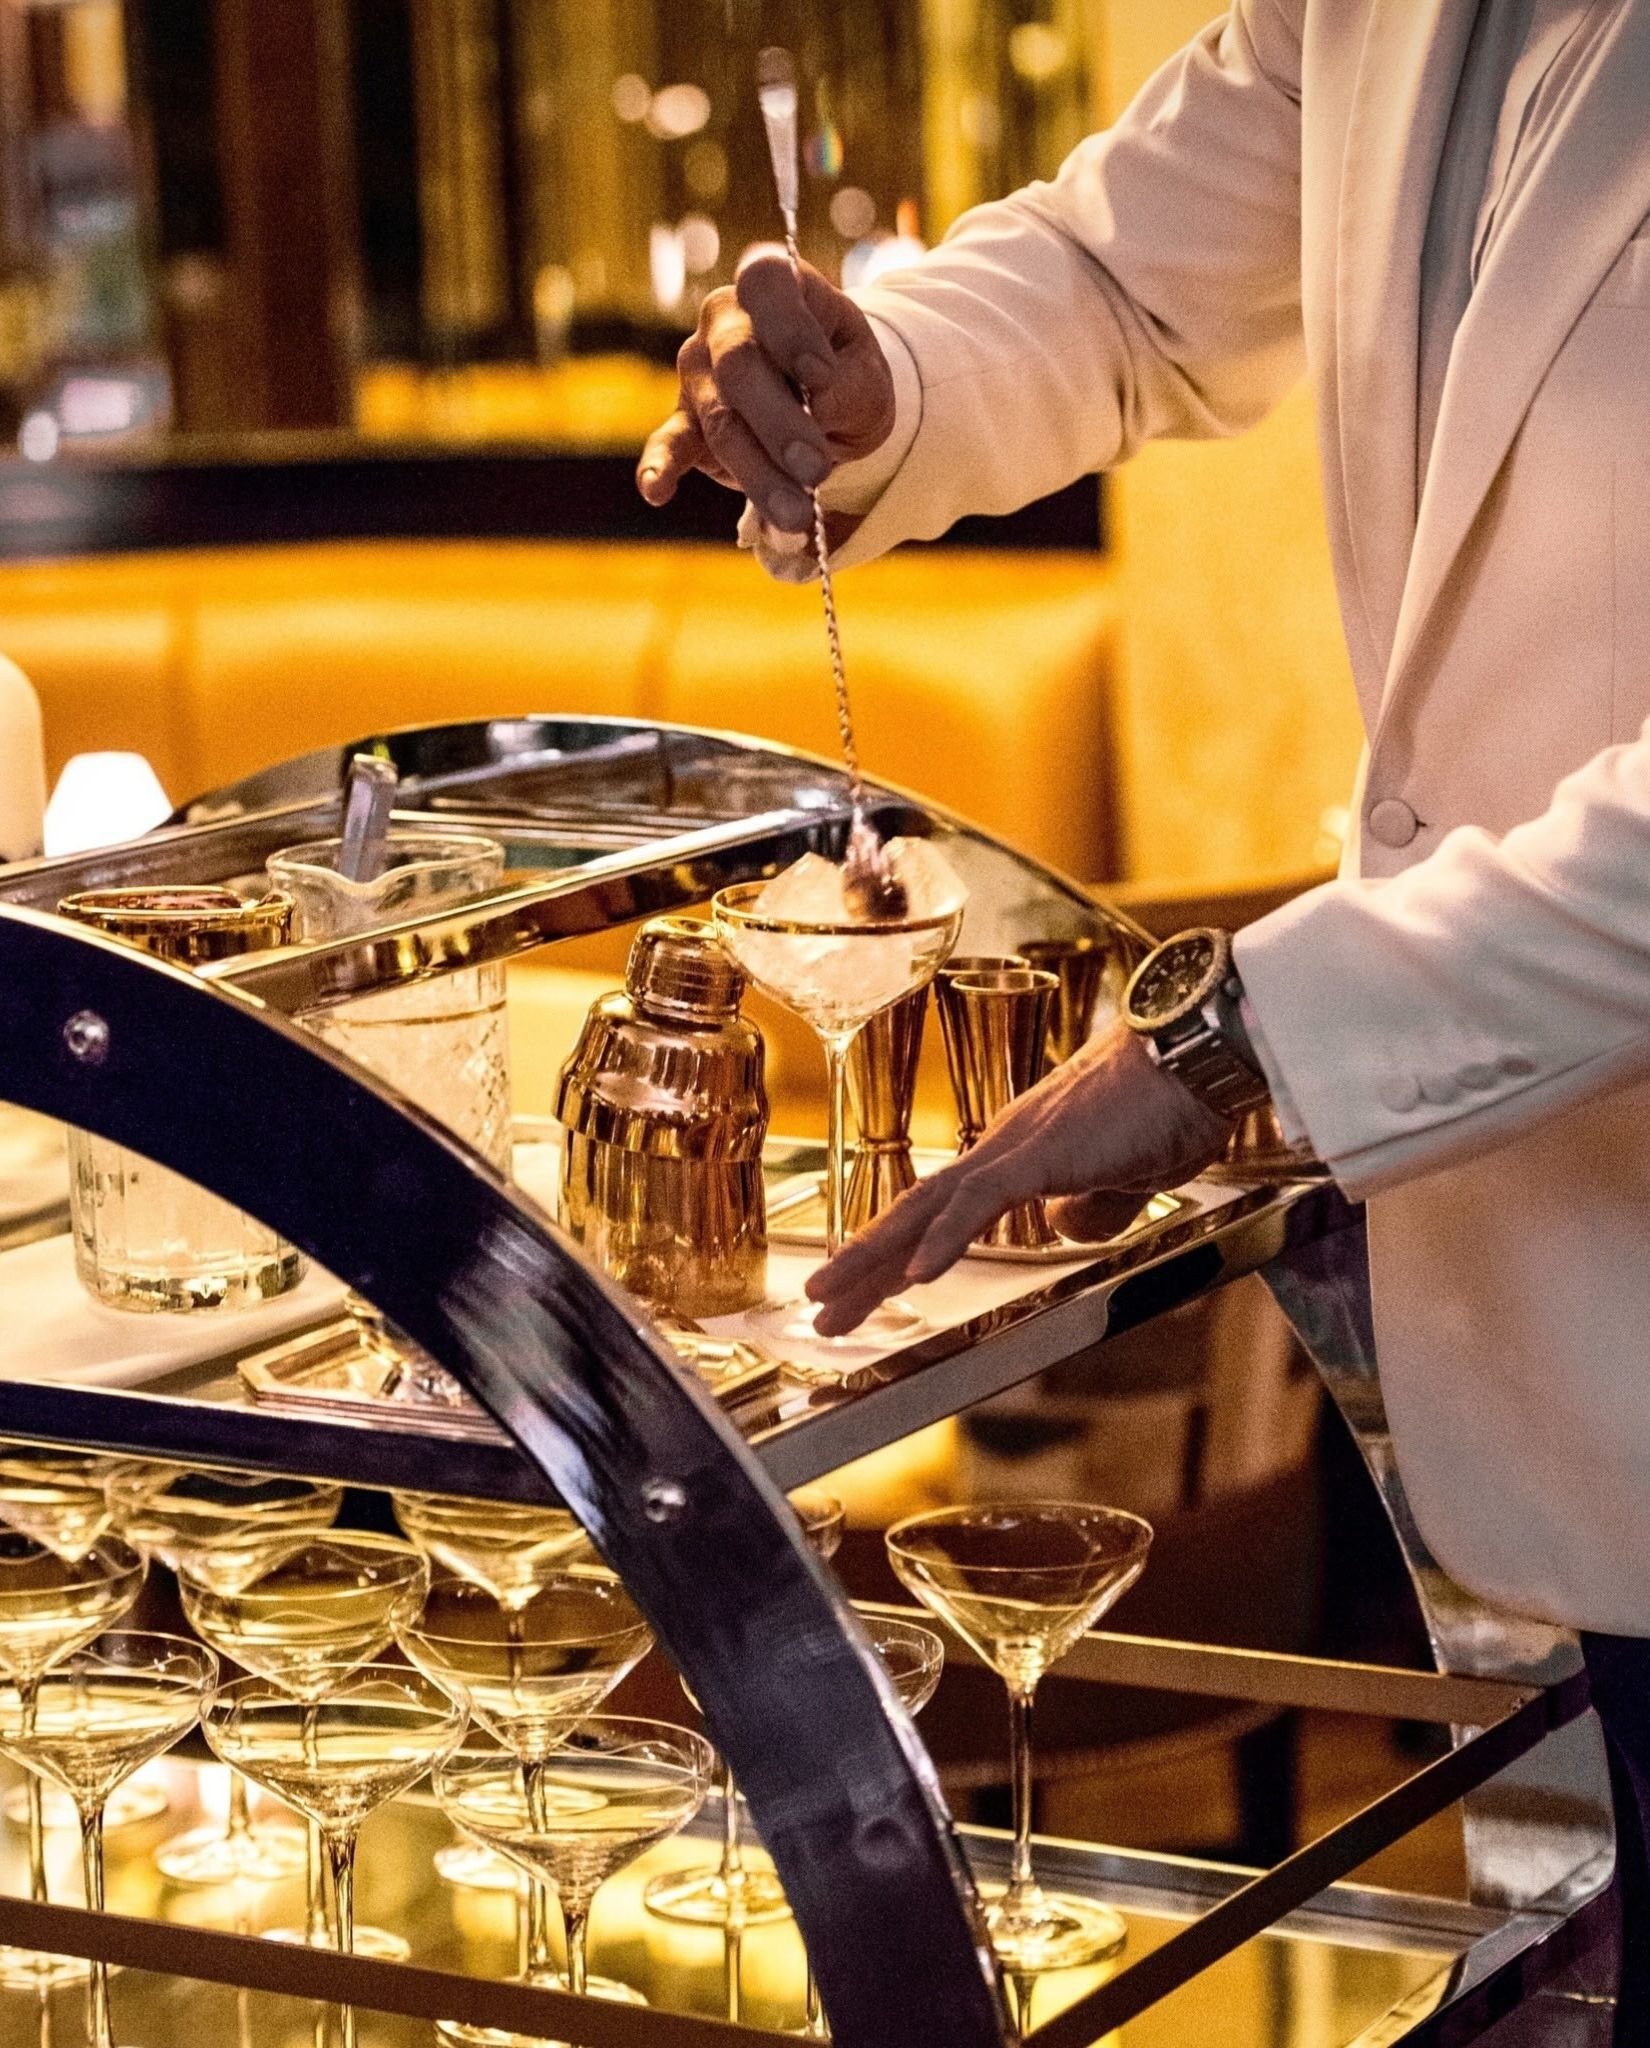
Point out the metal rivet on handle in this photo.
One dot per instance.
(87, 1037)
(664, 1500)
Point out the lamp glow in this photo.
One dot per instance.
(102, 800)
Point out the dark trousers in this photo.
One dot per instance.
(1618, 1670)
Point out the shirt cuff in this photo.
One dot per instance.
(1290, 1121)
(853, 487)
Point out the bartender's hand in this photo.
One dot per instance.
(1102, 1131)
(738, 416)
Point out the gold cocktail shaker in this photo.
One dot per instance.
(666, 1113)
(995, 1021)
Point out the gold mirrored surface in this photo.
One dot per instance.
(1319, 1987)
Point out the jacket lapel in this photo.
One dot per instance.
(1548, 259)
(1405, 88)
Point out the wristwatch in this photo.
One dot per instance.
(1182, 1000)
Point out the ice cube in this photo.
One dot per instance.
(809, 891)
(931, 885)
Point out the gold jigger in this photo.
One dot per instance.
(1083, 967)
(995, 1023)
(882, 1084)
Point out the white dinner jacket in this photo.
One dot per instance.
(1464, 1018)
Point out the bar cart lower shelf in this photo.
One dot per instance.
(1298, 1957)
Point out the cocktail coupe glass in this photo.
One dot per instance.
(96, 1716)
(444, 1044)
(56, 1496)
(613, 1789)
(50, 1607)
(914, 1658)
(509, 1549)
(836, 977)
(164, 1511)
(1020, 1583)
(375, 1734)
(532, 1672)
(733, 1891)
(303, 1611)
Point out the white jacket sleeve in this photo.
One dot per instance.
(1151, 289)
(1426, 1018)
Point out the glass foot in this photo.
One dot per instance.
(468, 1867)
(22, 1969)
(703, 1897)
(208, 1856)
(377, 1943)
(463, 2036)
(896, 1322)
(1051, 1931)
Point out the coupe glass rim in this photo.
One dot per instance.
(436, 848)
(396, 1547)
(1141, 1533)
(233, 1691)
(732, 912)
(623, 1729)
(122, 1570)
(102, 1646)
(597, 1574)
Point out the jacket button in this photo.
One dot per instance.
(1479, 1074)
(1517, 1065)
(1399, 1092)
(1392, 822)
(1440, 1089)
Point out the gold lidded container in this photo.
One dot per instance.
(145, 1238)
(666, 1113)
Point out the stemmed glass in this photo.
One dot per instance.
(303, 1611)
(510, 1550)
(163, 1511)
(914, 1658)
(53, 1495)
(613, 1790)
(732, 1892)
(50, 1607)
(1020, 1583)
(836, 977)
(531, 1671)
(94, 1719)
(376, 1733)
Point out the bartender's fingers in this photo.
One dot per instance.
(822, 341)
(745, 379)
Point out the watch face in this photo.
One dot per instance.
(1172, 977)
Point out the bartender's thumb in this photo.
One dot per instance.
(671, 451)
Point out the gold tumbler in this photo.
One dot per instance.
(1086, 968)
(882, 1085)
(995, 1024)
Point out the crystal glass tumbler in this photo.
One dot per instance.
(144, 1237)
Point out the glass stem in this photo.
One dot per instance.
(341, 1860)
(240, 1808)
(733, 1854)
(541, 1962)
(97, 1984)
(1022, 1885)
(576, 1919)
(836, 1139)
(316, 1931)
(28, 1694)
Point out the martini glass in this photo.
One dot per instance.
(509, 1550)
(613, 1790)
(913, 1657)
(836, 977)
(531, 1671)
(732, 1892)
(303, 1610)
(1020, 1583)
(163, 1511)
(376, 1733)
(95, 1717)
(50, 1607)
